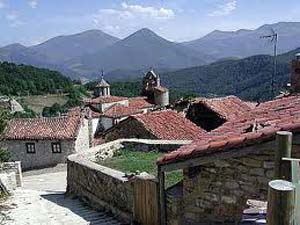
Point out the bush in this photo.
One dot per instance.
(5, 155)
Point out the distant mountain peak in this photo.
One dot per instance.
(13, 47)
(144, 32)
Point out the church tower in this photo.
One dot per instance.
(150, 82)
(102, 88)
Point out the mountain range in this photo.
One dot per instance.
(249, 78)
(87, 53)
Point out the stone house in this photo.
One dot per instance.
(227, 166)
(210, 113)
(166, 125)
(42, 142)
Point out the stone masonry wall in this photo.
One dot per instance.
(134, 129)
(10, 176)
(101, 187)
(217, 192)
(82, 142)
(43, 156)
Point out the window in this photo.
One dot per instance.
(56, 148)
(30, 147)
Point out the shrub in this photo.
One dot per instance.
(5, 155)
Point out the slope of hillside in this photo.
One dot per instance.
(86, 54)
(141, 50)
(249, 78)
(63, 48)
(28, 80)
(243, 43)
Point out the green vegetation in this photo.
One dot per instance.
(130, 161)
(43, 91)
(37, 103)
(133, 89)
(5, 155)
(120, 88)
(28, 80)
(4, 118)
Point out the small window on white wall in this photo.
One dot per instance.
(30, 148)
(56, 148)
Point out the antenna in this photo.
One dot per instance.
(274, 39)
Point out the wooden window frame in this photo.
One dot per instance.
(30, 148)
(56, 148)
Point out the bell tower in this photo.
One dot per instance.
(102, 88)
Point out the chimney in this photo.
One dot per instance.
(295, 74)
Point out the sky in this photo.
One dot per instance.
(30, 22)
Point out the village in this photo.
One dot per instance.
(142, 160)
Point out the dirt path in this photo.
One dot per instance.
(41, 201)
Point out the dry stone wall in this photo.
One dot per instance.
(217, 192)
(10, 176)
(101, 187)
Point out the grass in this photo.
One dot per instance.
(130, 161)
(38, 102)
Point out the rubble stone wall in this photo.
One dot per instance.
(218, 191)
(10, 176)
(101, 187)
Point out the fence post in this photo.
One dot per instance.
(284, 149)
(281, 203)
(162, 197)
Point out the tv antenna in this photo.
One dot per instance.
(274, 39)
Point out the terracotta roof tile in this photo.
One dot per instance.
(104, 99)
(229, 108)
(118, 110)
(256, 126)
(169, 125)
(140, 103)
(65, 127)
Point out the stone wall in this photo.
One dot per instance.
(82, 142)
(101, 187)
(105, 188)
(218, 191)
(43, 156)
(10, 176)
(107, 149)
(174, 204)
(130, 128)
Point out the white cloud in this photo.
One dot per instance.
(33, 4)
(128, 18)
(11, 16)
(157, 13)
(225, 9)
(13, 19)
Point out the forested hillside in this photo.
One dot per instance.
(28, 80)
(248, 78)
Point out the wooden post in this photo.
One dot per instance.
(284, 149)
(281, 203)
(162, 198)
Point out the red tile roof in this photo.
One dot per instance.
(229, 108)
(169, 125)
(118, 111)
(104, 99)
(140, 103)
(64, 127)
(260, 125)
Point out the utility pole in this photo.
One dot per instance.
(274, 39)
